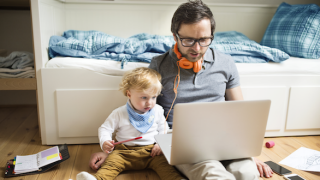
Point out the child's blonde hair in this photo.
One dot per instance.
(141, 79)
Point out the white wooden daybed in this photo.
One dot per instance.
(74, 100)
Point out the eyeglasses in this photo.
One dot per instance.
(189, 42)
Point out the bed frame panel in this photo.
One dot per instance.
(66, 96)
(83, 108)
(294, 102)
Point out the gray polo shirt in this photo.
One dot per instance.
(218, 73)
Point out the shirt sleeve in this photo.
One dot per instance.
(233, 78)
(107, 128)
(162, 124)
(153, 64)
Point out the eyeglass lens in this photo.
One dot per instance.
(191, 42)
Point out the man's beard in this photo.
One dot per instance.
(192, 59)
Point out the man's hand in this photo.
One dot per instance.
(263, 168)
(156, 151)
(108, 146)
(97, 159)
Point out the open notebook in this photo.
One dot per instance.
(34, 162)
(37, 163)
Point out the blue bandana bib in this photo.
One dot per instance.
(142, 122)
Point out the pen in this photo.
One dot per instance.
(127, 140)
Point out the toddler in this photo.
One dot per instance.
(141, 116)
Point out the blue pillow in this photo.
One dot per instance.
(295, 29)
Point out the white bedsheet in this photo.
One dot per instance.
(292, 66)
(109, 67)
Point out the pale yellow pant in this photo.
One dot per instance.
(240, 169)
(135, 158)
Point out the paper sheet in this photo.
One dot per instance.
(49, 156)
(303, 159)
(26, 164)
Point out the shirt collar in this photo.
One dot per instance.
(209, 56)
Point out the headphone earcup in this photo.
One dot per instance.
(185, 63)
(197, 66)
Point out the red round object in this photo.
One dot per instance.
(270, 144)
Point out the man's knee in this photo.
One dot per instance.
(206, 170)
(243, 169)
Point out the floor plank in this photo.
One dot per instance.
(24, 139)
(66, 168)
(32, 148)
(15, 143)
(284, 146)
(11, 123)
(82, 159)
(5, 112)
(312, 142)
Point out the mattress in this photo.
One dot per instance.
(292, 66)
(108, 67)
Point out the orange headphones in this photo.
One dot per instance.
(185, 63)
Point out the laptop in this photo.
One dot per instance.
(215, 131)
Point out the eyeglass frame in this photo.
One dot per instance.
(195, 41)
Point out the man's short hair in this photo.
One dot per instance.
(142, 79)
(191, 12)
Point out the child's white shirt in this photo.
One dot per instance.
(118, 121)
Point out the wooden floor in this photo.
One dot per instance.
(19, 135)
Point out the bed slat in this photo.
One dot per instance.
(18, 84)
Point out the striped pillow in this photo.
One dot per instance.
(295, 29)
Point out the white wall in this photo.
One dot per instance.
(243, 2)
(269, 2)
(229, 15)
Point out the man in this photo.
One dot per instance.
(213, 78)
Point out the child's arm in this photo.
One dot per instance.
(106, 129)
(163, 125)
(97, 159)
(156, 151)
(108, 146)
(162, 129)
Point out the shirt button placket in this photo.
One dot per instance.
(195, 80)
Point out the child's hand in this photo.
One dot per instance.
(156, 151)
(108, 146)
